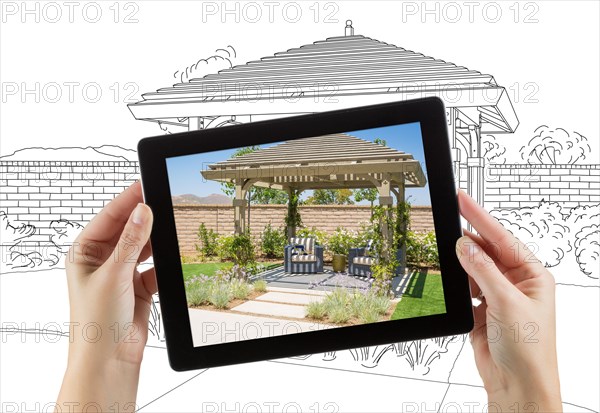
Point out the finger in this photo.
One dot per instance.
(146, 252)
(144, 285)
(475, 290)
(493, 284)
(125, 256)
(478, 336)
(490, 249)
(511, 252)
(96, 241)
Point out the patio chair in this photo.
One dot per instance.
(303, 256)
(361, 259)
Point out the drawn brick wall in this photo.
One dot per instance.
(38, 192)
(324, 217)
(519, 185)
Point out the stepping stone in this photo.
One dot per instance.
(287, 298)
(297, 290)
(272, 309)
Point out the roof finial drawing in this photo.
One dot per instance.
(349, 29)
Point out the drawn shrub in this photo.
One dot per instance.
(555, 146)
(587, 250)
(544, 225)
(551, 232)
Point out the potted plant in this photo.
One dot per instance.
(339, 244)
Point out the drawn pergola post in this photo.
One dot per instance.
(342, 72)
(337, 161)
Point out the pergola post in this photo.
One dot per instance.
(292, 210)
(400, 198)
(386, 200)
(475, 164)
(239, 207)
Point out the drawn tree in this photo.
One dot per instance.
(555, 147)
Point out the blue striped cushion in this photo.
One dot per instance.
(309, 243)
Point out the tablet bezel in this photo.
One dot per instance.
(431, 115)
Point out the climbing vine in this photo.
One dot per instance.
(293, 219)
(395, 220)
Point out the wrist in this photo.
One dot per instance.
(529, 393)
(106, 384)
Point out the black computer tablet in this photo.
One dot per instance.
(306, 234)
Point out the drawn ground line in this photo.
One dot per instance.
(457, 356)
(368, 372)
(174, 388)
(444, 397)
(407, 378)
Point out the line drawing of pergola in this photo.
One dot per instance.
(335, 161)
(342, 72)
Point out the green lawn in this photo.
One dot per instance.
(208, 268)
(424, 296)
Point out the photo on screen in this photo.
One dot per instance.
(305, 235)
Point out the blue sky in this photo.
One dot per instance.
(184, 171)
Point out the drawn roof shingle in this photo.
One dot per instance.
(352, 70)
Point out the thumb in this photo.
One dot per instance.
(134, 237)
(482, 268)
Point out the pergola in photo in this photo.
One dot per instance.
(336, 161)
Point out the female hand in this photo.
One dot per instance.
(110, 304)
(514, 338)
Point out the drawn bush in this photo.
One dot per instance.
(544, 225)
(587, 250)
(16, 235)
(64, 235)
(551, 232)
(493, 150)
(11, 232)
(555, 146)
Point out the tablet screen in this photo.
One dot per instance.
(307, 234)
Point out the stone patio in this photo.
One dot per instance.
(326, 281)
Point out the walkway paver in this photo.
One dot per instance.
(289, 298)
(271, 309)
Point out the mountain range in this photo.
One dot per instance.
(212, 199)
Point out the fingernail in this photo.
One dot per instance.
(138, 214)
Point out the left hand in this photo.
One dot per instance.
(110, 303)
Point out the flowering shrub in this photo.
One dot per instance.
(273, 242)
(218, 290)
(342, 304)
(225, 247)
(421, 249)
(320, 236)
(342, 240)
(208, 241)
(198, 290)
(238, 248)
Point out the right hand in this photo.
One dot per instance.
(514, 338)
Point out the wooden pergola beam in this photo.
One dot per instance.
(325, 169)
